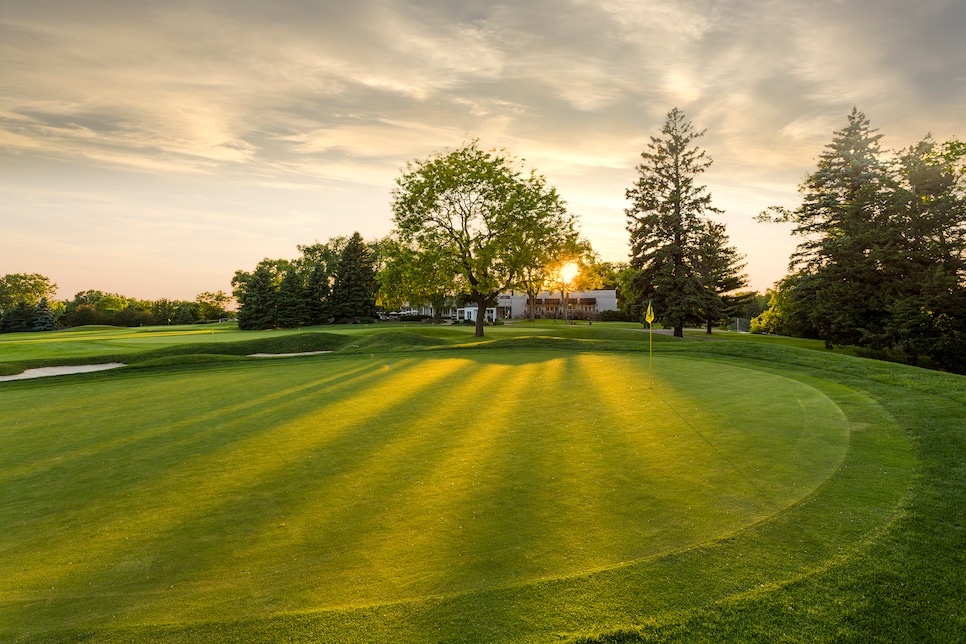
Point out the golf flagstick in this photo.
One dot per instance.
(649, 316)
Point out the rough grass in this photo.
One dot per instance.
(233, 496)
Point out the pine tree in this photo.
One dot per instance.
(292, 306)
(845, 222)
(354, 287)
(316, 295)
(667, 222)
(43, 318)
(18, 318)
(927, 305)
(257, 298)
(719, 269)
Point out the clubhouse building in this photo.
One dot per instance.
(581, 305)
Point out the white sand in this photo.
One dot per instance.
(61, 371)
(87, 368)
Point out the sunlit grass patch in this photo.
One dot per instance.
(319, 483)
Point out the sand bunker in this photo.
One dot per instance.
(62, 371)
(86, 368)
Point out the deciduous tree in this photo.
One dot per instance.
(28, 288)
(477, 214)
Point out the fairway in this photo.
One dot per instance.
(329, 482)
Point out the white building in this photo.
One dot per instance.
(579, 305)
(469, 313)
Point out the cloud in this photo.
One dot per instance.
(330, 99)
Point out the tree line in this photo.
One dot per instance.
(881, 264)
(882, 261)
(27, 304)
(330, 282)
(469, 224)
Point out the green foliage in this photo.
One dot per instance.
(24, 303)
(680, 259)
(23, 287)
(471, 222)
(718, 267)
(786, 313)
(316, 295)
(882, 264)
(18, 318)
(212, 306)
(257, 294)
(292, 305)
(354, 283)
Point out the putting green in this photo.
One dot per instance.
(257, 488)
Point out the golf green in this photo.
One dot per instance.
(250, 489)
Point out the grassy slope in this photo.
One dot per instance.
(897, 582)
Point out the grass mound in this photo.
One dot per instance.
(295, 343)
(10, 369)
(542, 342)
(392, 341)
(186, 359)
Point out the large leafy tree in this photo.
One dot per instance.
(212, 306)
(354, 282)
(414, 277)
(477, 217)
(28, 288)
(667, 222)
(926, 303)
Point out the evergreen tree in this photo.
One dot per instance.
(844, 221)
(316, 295)
(18, 318)
(292, 306)
(667, 221)
(719, 269)
(43, 317)
(882, 264)
(354, 286)
(257, 297)
(927, 305)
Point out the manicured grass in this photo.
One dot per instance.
(752, 492)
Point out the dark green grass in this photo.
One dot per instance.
(868, 545)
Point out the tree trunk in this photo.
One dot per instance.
(708, 331)
(679, 331)
(480, 316)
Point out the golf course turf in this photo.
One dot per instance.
(420, 486)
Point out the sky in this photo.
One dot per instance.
(154, 148)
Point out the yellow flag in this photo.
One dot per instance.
(649, 316)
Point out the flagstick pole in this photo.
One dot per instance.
(649, 318)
